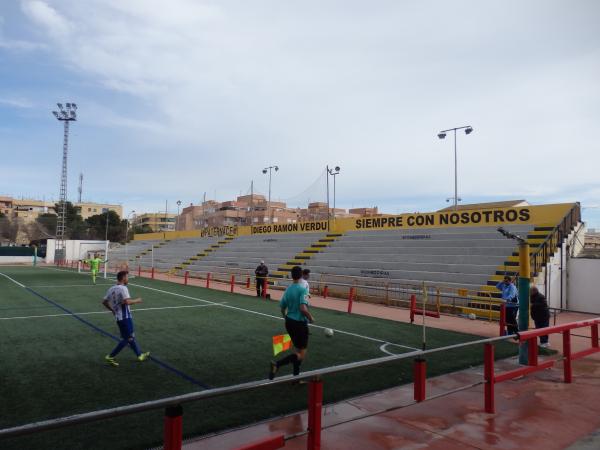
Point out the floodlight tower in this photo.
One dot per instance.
(442, 134)
(65, 115)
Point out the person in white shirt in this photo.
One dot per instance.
(117, 301)
(304, 280)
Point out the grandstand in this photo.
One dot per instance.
(457, 254)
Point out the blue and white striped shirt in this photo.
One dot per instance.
(116, 297)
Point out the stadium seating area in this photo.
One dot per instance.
(461, 257)
(244, 253)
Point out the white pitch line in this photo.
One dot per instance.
(12, 279)
(68, 285)
(106, 312)
(272, 316)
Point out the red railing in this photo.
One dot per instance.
(533, 365)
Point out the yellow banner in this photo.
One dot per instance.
(549, 215)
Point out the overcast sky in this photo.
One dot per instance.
(184, 97)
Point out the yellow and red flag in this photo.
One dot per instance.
(281, 343)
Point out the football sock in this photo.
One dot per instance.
(289, 359)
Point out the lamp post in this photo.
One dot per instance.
(442, 134)
(177, 220)
(333, 172)
(265, 170)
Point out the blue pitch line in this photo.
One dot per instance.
(107, 334)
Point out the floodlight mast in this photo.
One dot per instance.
(441, 135)
(64, 115)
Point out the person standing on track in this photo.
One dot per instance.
(540, 313)
(94, 265)
(511, 300)
(117, 300)
(294, 308)
(261, 272)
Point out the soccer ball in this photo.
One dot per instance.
(472, 316)
(328, 332)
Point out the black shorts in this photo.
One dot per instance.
(298, 331)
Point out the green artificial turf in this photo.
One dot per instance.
(53, 366)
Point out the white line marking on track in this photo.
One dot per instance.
(348, 333)
(107, 312)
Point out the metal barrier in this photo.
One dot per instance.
(529, 338)
(174, 410)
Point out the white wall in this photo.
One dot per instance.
(584, 285)
(18, 260)
(76, 249)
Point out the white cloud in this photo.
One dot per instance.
(225, 88)
(43, 14)
(16, 102)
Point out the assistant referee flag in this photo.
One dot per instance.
(281, 343)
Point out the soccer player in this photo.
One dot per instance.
(294, 308)
(117, 300)
(94, 265)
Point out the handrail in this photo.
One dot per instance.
(217, 392)
(560, 229)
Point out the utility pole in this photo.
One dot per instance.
(251, 201)
(64, 115)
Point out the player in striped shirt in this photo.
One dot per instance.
(117, 300)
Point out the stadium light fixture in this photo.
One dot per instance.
(442, 134)
(333, 172)
(265, 170)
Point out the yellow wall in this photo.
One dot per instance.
(549, 215)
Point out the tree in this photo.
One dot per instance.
(9, 229)
(116, 227)
(75, 226)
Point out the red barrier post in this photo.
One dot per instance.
(315, 405)
(595, 336)
(266, 287)
(350, 299)
(325, 292)
(419, 376)
(502, 319)
(413, 306)
(173, 428)
(232, 282)
(208, 280)
(185, 277)
(271, 443)
(152, 274)
(248, 283)
(568, 370)
(488, 374)
(532, 352)
(139, 270)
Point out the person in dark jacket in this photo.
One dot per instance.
(261, 272)
(540, 313)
